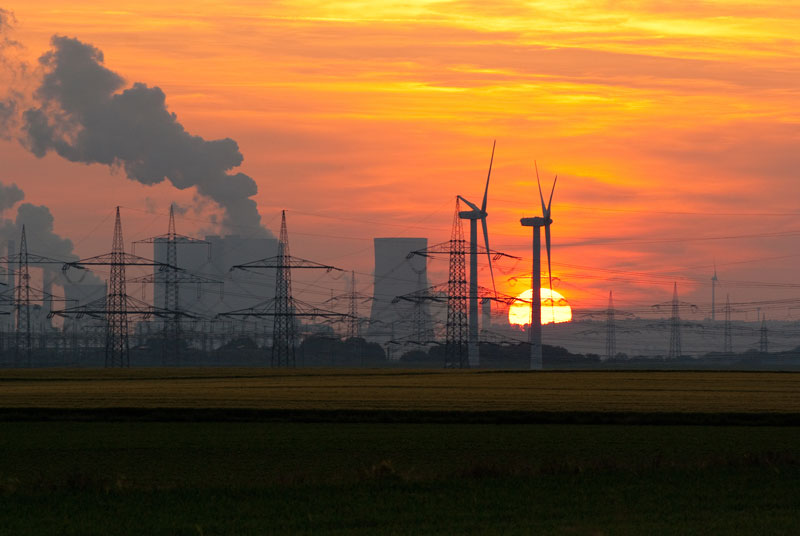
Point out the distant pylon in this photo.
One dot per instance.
(727, 344)
(117, 344)
(283, 308)
(22, 306)
(611, 330)
(763, 343)
(420, 320)
(353, 328)
(172, 327)
(675, 326)
(455, 353)
(171, 279)
(284, 328)
(713, 295)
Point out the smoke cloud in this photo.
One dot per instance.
(8, 102)
(85, 115)
(38, 222)
(9, 196)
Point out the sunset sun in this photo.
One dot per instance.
(556, 310)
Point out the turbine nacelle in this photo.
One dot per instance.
(536, 221)
(474, 214)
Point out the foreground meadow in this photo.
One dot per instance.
(373, 478)
(254, 451)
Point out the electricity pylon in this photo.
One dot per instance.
(420, 320)
(611, 329)
(714, 281)
(675, 349)
(23, 295)
(455, 348)
(283, 308)
(727, 336)
(117, 306)
(172, 279)
(353, 297)
(455, 292)
(763, 342)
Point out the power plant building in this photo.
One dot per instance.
(395, 275)
(238, 289)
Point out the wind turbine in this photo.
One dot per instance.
(473, 216)
(535, 333)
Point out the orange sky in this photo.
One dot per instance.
(664, 123)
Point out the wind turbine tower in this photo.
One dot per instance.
(535, 333)
(473, 216)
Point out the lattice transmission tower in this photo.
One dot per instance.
(675, 349)
(353, 324)
(456, 292)
(284, 308)
(675, 326)
(117, 306)
(171, 280)
(611, 329)
(763, 342)
(353, 297)
(727, 335)
(22, 305)
(22, 296)
(457, 335)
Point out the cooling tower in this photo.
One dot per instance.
(396, 275)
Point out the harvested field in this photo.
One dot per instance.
(437, 391)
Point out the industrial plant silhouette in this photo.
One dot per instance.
(213, 305)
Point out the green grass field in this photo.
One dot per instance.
(339, 452)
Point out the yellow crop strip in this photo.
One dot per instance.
(651, 392)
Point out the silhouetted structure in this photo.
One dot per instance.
(611, 329)
(714, 295)
(22, 305)
(675, 326)
(353, 324)
(171, 277)
(727, 343)
(455, 346)
(473, 215)
(395, 274)
(21, 296)
(284, 309)
(117, 305)
(535, 332)
(455, 293)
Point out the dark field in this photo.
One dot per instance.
(73, 461)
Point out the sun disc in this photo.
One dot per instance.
(555, 308)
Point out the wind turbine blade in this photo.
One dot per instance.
(551, 197)
(473, 206)
(489, 176)
(488, 252)
(541, 195)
